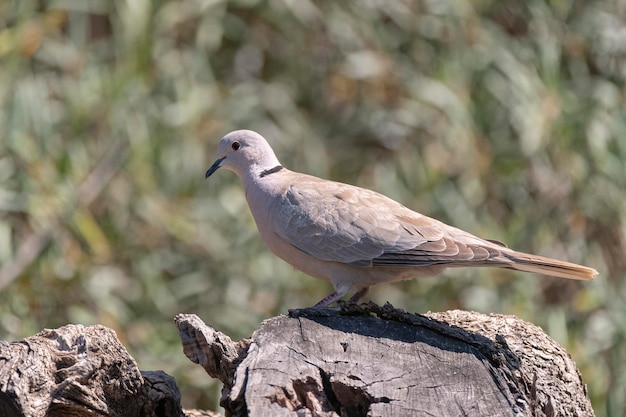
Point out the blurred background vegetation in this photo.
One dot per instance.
(505, 118)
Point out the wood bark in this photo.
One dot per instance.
(378, 361)
(361, 360)
(77, 371)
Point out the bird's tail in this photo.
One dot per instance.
(548, 266)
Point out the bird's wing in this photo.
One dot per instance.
(343, 223)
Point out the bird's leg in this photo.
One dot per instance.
(329, 299)
(358, 295)
(337, 295)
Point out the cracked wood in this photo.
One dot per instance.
(378, 361)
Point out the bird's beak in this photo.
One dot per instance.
(214, 167)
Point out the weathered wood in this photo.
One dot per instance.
(378, 361)
(80, 371)
(356, 361)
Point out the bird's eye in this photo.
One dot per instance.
(235, 146)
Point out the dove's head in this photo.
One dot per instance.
(244, 152)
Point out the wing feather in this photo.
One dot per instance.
(339, 222)
(343, 223)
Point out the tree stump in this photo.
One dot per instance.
(378, 361)
(80, 371)
(354, 361)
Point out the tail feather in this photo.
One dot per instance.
(548, 266)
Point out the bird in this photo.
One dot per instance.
(354, 237)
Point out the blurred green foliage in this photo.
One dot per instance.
(504, 118)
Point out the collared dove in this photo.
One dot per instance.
(354, 237)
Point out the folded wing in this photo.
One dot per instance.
(342, 223)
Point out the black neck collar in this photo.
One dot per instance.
(271, 171)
